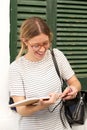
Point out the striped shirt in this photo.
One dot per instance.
(38, 79)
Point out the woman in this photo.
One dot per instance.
(34, 75)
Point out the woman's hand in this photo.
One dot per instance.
(46, 103)
(30, 109)
(69, 93)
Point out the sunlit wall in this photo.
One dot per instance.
(7, 117)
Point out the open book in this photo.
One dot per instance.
(28, 101)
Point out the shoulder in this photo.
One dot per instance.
(58, 54)
(60, 57)
(16, 64)
(57, 51)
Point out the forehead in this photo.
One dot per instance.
(39, 39)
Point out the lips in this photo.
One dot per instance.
(39, 54)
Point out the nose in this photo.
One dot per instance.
(42, 49)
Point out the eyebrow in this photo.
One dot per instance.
(39, 42)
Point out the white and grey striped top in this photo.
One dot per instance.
(36, 79)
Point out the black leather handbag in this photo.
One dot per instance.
(74, 108)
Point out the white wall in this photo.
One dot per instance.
(7, 117)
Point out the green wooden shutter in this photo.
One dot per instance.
(21, 10)
(13, 29)
(72, 34)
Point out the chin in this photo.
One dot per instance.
(39, 57)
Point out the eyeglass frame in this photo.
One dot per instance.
(39, 46)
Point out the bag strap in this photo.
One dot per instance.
(62, 81)
(55, 63)
(57, 70)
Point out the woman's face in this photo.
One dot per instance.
(37, 46)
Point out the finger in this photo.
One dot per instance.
(68, 97)
(65, 92)
(40, 102)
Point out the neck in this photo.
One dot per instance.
(30, 58)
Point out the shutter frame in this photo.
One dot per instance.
(13, 29)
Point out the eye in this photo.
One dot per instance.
(36, 46)
(46, 44)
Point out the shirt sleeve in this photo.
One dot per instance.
(64, 66)
(15, 82)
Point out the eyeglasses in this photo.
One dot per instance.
(37, 46)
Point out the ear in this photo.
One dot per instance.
(24, 41)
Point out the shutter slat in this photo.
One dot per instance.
(70, 11)
(72, 2)
(32, 2)
(76, 25)
(74, 20)
(83, 30)
(24, 16)
(31, 9)
(72, 33)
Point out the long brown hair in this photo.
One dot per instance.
(32, 27)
